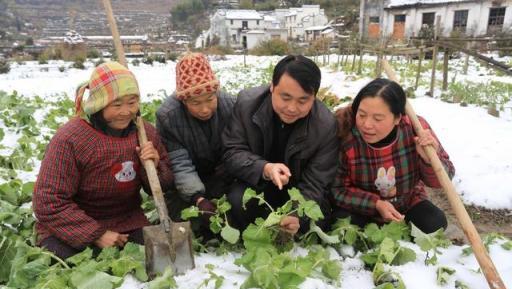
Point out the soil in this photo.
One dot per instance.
(485, 220)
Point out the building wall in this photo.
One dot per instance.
(253, 39)
(303, 17)
(219, 28)
(369, 9)
(477, 22)
(235, 29)
(289, 23)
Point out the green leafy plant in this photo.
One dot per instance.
(32, 267)
(460, 285)
(430, 243)
(217, 279)
(267, 255)
(271, 269)
(443, 275)
(488, 240)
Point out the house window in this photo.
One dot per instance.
(460, 20)
(245, 25)
(231, 21)
(234, 37)
(428, 18)
(374, 19)
(496, 16)
(257, 22)
(400, 18)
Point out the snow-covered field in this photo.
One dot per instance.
(478, 143)
(479, 146)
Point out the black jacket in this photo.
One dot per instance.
(311, 152)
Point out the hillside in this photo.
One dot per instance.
(54, 17)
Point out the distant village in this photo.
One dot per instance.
(243, 30)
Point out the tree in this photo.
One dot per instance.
(4, 66)
(246, 4)
(189, 15)
(186, 8)
(271, 47)
(266, 5)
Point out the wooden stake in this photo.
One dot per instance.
(434, 56)
(485, 262)
(115, 33)
(466, 59)
(360, 68)
(418, 72)
(353, 62)
(445, 68)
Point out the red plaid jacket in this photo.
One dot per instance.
(354, 188)
(90, 182)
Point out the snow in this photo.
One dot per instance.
(398, 3)
(416, 275)
(241, 14)
(483, 160)
(478, 144)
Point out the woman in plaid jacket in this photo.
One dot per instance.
(383, 173)
(88, 188)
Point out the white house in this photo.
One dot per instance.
(246, 28)
(231, 26)
(404, 18)
(300, 18)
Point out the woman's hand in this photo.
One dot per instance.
(425, 140)
(111, 239)
(388, 212)
(290, 224)
(148, 152)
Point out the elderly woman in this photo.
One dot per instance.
(88, 189)
(191, 122)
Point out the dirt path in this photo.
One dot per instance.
(485, 220)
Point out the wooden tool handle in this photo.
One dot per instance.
(115, 32)
(490, 272)
(151, 172)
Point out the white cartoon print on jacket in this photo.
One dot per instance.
(125, 172)
(385, 182)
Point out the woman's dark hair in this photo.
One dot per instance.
(390, 91)
(300, 68)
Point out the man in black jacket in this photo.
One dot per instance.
(280, 137)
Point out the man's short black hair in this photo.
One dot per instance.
(302, 69)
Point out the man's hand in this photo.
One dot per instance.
(278, 173)
(290, 224)
(111, 239)
(388, 212)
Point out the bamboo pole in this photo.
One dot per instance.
(115, 32)
(485, 262)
